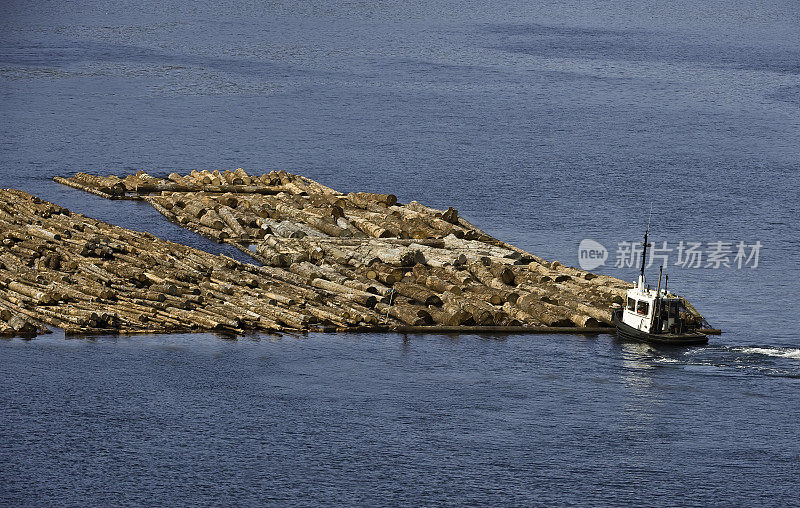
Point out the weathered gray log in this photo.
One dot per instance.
(287, 229)
(293, 254)
(400, 256)
(271, 257)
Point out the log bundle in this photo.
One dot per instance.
(233, 206)
(330, 259)
(86, 276)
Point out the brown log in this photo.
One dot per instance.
(408, 314)
(358, 312)
(387, 274)
(369, 228)
(227, 215)
(365, 199)
(18, 325)
(37, 295)
(548, 314)
(456, 314)
(519, 314)
(483, 274)
(329, 315)
(503, 273)
(438, 285)
(212, 220)
(195, 208)
(481, 314)
(598, 315)
(486, 294)
(418, 293)
(361, 297)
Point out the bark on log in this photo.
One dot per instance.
(227, 215)
(550, 315)
(418, 293)
(361, 297)
(481, 314)
(212, 220)
(408, 314)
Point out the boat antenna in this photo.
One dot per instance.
(644, 245)
(658, 288)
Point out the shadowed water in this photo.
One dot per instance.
(543, 124)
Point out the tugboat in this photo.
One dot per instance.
(656, 317)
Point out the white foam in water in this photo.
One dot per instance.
(779, 352)
(667, 360)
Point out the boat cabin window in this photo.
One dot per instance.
(643, 308)
(631, 304)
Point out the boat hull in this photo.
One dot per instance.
(629, 333)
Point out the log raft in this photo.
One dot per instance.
(18, 322)
(323, 261)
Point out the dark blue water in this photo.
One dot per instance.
(542, 123)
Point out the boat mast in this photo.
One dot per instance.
(658, 288)
(644, 249)
(657, 303)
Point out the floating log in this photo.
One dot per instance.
(409, 314)
(546, 313)
(418, 293)
(366, 299)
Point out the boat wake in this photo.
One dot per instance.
(774, 361)
(779, 352)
